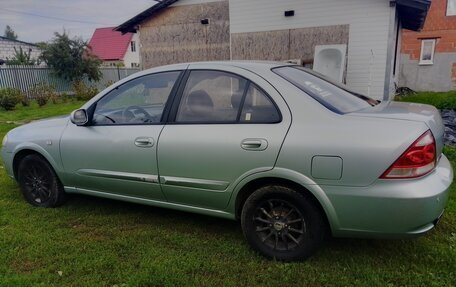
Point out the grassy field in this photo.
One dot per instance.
(98, 242)
(440, 100)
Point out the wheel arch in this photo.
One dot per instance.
(22, 151)
(301, 185)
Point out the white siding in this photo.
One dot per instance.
(369, 22)
(132, 57)
(191, 2)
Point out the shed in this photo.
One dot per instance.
(174, 31)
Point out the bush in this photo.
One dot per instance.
(9, 98)
(25, 100)
(84, 92)
(64, 97)
(43, 92)
(109, 83)
(42, 100)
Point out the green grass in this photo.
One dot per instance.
(98, 242)
(34, 112)
(439, 100)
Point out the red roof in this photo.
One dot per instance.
(108, 44)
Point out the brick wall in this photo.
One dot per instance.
(438, 26)
(7, 49)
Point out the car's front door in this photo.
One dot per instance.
(116, 153)
(227, 124)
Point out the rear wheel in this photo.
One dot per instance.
(282, 224)
(39, 183)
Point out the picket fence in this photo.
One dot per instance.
(25, 77)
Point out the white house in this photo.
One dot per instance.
(115, 48)
(8, 48)
(367, 30)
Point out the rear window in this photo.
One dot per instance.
(334, 96)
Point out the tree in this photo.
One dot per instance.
(9, 33)
(71, 59)
(22, 58)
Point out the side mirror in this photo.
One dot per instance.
(79, 117)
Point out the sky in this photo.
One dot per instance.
(37, 20)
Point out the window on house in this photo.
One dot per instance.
(427, 52)
(133, 46)
(451, 8)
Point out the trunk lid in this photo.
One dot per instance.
(409, 112)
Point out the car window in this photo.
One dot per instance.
(139, 101)
(334, 96)
(258, 108)
(211, 96)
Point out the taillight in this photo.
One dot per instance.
(419, 159)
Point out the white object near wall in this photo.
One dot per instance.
(329, 60)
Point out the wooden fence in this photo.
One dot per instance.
(25, 77)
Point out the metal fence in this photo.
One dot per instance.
(25, 77)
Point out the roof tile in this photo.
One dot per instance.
(108, 44)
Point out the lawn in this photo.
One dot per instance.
(439, 100)
(99, 242)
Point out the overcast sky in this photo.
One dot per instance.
(37, 20)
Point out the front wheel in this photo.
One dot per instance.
(39, 183)
(283, 224)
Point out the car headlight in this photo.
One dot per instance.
(5, 139)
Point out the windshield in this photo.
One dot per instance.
(336, 97)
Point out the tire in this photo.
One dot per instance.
(282, 224)
(39, 184)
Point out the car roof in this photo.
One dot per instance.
(249, 65)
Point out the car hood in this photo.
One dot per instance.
(47, 123)
(39, 128)
(409, 112)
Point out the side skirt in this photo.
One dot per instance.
(156, 203)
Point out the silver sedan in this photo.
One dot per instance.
(282, 149)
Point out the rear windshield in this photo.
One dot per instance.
(336, 97)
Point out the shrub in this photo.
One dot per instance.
(84, 92)
(64, 97)
(109, 83)
(43, 92)
(42, 100)
(9, 98)
(25, 100)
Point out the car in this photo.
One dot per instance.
(292, 155)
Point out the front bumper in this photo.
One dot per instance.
(7, 158)
(391, 208)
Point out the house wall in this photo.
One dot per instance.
(282, 45)
(441, 76)
(369, 31)
(177, 35)
(132, 57)
(7, 49)
(112, 63)
(191, 2)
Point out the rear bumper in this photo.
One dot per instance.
(391, 208)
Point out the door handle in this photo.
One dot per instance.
(144, 142)
(254, 144)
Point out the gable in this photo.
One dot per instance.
(108, 44)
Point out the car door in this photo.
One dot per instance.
(226, 125)
(116, 153)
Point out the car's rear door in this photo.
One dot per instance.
(116, 153)
(226, 123)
